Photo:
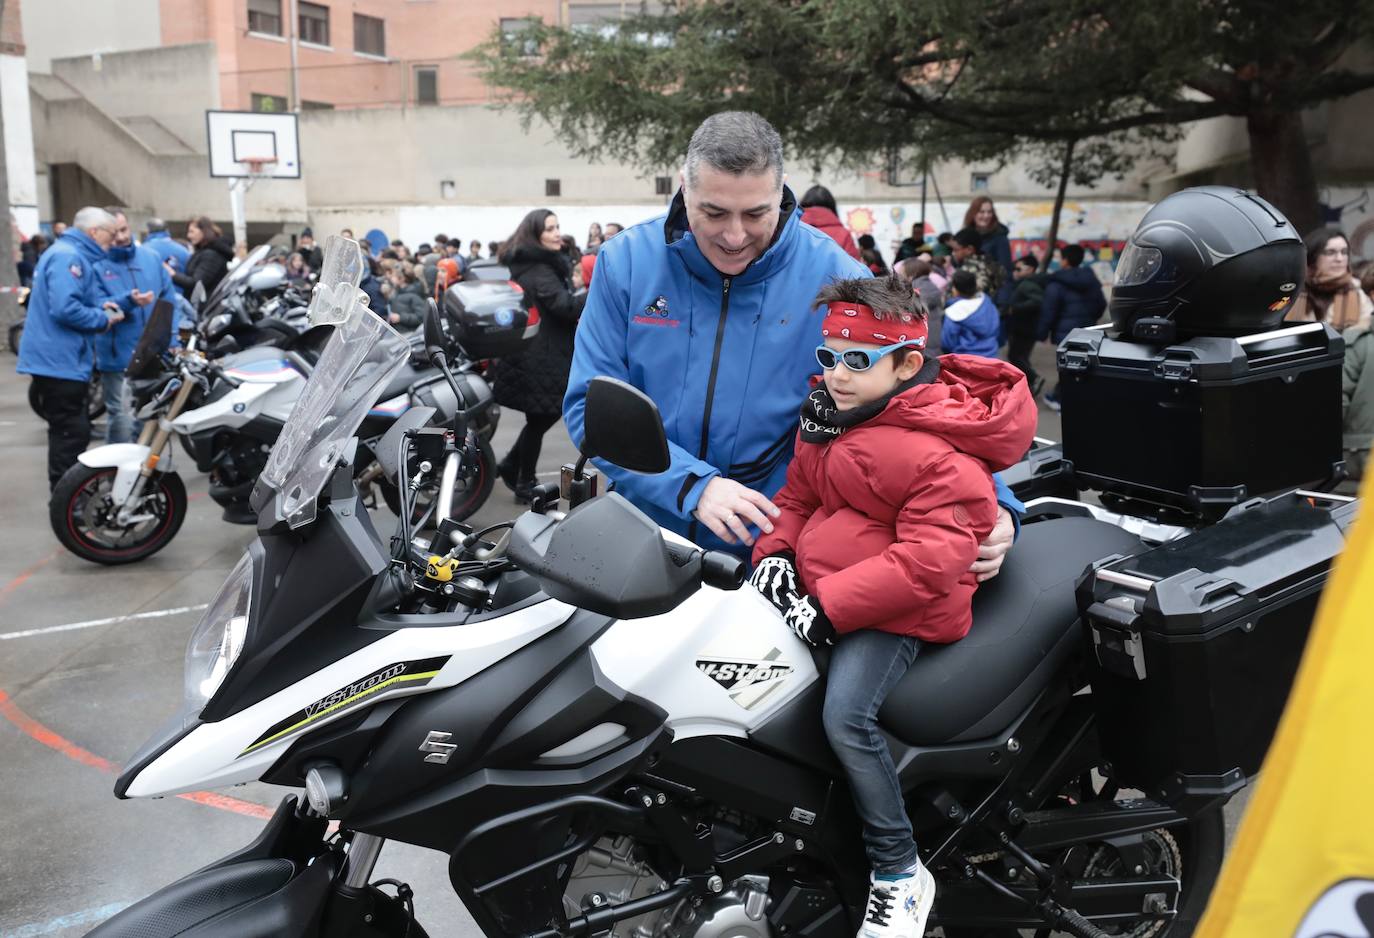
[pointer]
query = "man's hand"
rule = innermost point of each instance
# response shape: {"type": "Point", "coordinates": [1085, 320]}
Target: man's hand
{"type": "Point", "coordinates": [393, 318]}
{"type": "Point", "coordinates": [171, 268]}
{"type": "Point", "coordinates": [113, 314]}
{"type": "Point", "coordinates": [728, 508]}
{"type": "Point", "coordinates": [993, 551]}
{"type": "Point", "coordinates": [142, 297]}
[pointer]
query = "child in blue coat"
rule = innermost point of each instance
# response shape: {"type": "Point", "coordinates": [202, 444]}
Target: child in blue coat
{"type": "Point", "coordinates": [971, 323]}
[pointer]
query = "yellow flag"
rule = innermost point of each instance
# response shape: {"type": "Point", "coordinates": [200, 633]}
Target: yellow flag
{"type": "Point", "coordinates": [1303, 863]}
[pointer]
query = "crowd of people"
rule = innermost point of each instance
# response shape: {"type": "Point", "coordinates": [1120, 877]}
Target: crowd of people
{"type": "Point", "coordinates": [842, 426]}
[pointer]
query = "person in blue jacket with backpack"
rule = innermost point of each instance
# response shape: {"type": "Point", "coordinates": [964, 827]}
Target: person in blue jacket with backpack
{"type": "Point", "coordinates": [707, 309]}
{"type": "Point", "coordinates": [66, 310]}
{"type": "Point", "coordinates": [133, 277]}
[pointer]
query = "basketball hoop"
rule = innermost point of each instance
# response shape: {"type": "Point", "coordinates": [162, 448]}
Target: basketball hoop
{"type": "Point", "coordinates": [259, 167]}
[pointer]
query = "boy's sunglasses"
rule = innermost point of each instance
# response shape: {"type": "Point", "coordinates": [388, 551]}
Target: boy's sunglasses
{"type": "Point", "coordinates": [857, 359]}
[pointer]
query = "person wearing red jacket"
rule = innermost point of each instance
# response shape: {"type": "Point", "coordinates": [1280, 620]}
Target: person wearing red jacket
{"type": "Point", "coordinates": [884, 506]}
{"type": "Point", "coordinates": [819, 211]}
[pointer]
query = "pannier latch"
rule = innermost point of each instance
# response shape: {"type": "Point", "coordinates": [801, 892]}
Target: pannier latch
{"type": "Point", "coordinates": [1174, 370]}
{"type": "Point", "coordinates": [1116, 643]}
{"type": "Point", "coordinates": [1070, 360]}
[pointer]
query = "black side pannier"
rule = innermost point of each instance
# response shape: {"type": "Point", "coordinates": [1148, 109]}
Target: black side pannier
{"type": "Point", "coordinates": [1194, 644]}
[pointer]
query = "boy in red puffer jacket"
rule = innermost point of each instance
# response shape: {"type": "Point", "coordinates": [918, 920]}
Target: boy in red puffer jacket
{"type": "Point", "coordinates": [886, 501]}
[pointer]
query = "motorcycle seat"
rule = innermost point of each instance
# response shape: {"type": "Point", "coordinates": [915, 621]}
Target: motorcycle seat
{"type": "Point", "coordinates": [1025, 624]}
{"type": "Point", "coordinates": [400, 383]}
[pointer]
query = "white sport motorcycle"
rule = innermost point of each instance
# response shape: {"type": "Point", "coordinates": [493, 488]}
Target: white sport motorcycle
{"type": "Point", "coordinates": [605, 735]}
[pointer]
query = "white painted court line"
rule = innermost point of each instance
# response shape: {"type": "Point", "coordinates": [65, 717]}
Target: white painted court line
{"type": "Point", "coordinates": [112, 620]}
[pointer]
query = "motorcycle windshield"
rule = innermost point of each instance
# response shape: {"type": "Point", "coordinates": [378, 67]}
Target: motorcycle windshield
{"type": "Point", "coordinates": [238, 274]}
{"type": "Point", "coordinates": [357, 363]}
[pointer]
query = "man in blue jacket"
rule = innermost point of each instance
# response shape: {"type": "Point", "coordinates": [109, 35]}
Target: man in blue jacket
{"type": "Point", "coordinates": [168, 251]}
{"type": "Point", "coordinates": [1073, 298]}
{"type": "Point", "coordinates": [67, 308]}
{"type": "Point", "coordinates": [134, 278]}
{"type": "Point", "coordinates": [708, 310]}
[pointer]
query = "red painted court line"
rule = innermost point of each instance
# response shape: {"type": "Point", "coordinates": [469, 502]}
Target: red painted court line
{"type": "Point", "coordinates": [40, 733]}
{"type": "Point", "coordinates": [18, 581]}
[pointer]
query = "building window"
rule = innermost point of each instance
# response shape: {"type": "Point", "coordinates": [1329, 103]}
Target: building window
{"type": "Point", "coordinates": [663, 185]}
{"type": "Point", "coordinates": [314, 23]}
{"type": "Point", "coordinates": [426, 84]}
{"type": "Point", "coordinates": [269, 103]}
{"type": "Point", "coordinates": [369, 35]}
{"type": "Point", "coordinates": [264, 16]}
{"type": "Point", "coordinates": [553, 187]}
{"type": "Point", "coordinates": [316, 106]}
{"type": "Point", "coordinates": [515, 34]}
{"type": "Point", "coordinates": [980, 182]}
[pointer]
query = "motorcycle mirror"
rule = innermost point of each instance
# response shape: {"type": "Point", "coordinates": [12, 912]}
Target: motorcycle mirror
{"type": "Point", "coordinates": [198, 295]}
{"type": "Point", "coordinates": [436, 337]}
{"type": "Point", "coordinates": [623, 426]}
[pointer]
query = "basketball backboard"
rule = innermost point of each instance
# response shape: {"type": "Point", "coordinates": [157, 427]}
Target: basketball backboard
{"type": "Point", "coordinates": [237, 138]}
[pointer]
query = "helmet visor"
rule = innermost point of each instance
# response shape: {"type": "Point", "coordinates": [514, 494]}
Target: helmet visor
{"type": "Point", "coordinates": [1138, 265]}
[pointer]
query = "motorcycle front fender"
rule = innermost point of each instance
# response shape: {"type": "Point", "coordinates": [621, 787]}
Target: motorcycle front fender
{"type": "Point", "coordinates": [127, 460]}
{"type": "Point", "coordinates": [278, 885]}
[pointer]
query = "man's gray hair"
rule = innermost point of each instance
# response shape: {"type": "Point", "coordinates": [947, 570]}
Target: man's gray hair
{"type": "Point", "coordinates": [156, 224]}
{"type": "Point", "coordinates": [93, 216]}
{"type": "Point", "coordinates": [735, 142]}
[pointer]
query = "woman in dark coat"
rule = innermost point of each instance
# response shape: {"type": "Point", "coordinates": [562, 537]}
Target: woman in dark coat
{"type": "Point", "coordinates": [534, 381]}
{"type": "Point", "coordinates": [210, 257]}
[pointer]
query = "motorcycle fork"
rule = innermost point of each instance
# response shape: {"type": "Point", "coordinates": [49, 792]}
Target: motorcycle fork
{"type": "Point", "coordinates": [161, 432]}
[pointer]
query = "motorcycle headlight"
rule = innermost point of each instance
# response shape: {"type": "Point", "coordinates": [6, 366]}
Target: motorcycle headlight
{"type": "Point", "coordinates": [218, 325]}
{"type": "Point", "coordinates": [218, 639]}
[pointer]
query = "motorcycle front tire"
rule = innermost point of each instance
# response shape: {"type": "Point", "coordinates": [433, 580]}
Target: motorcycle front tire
{"type": "Point", "coordinates": [63, 505]}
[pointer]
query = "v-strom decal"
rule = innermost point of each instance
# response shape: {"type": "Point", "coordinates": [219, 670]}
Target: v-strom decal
{"type": "Point", "coordinates": [404, 675]}
{"type": "Point", "coordinates": [749, 682]}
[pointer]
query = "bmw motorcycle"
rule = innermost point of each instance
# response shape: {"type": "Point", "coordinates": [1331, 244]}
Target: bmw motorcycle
{"type": "Point", "coordinates": [604, 734]}
{"type": "Point", "coordinates": [124, 502]}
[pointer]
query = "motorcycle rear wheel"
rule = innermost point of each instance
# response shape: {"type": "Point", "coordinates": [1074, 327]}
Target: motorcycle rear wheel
{"type": "Point", "coordinates": [1196, 848]}
{"type": "Point", "coordinates": [81, 515]}
{"type": "Point", "coordinates": [95, 399]}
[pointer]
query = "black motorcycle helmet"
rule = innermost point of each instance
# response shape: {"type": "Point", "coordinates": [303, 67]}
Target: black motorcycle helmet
{"type": "Point", "coordinates": [1210, 261]}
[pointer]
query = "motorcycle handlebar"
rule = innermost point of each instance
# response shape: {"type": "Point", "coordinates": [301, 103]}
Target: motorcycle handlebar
{"type": "Point", "coordinates": [719, 569]}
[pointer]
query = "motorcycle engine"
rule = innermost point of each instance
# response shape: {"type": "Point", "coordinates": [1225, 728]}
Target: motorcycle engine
{"type": "Point", "coordinates": [614, 871]}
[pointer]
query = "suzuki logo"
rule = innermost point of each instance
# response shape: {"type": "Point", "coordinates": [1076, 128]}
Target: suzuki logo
{"type": "Point", "coordinates": [439, 750]}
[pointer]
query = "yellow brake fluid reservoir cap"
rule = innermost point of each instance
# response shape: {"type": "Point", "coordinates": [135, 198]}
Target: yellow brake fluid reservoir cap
{"type": "Point", "coordinates": [440, 569]}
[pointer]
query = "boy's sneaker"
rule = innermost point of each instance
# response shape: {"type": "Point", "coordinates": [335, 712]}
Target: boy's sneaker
{"type": "Point", "coordinates": [898, 908]}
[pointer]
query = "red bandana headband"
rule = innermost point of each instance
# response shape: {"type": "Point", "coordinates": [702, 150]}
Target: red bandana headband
{"type": "Point", "coordinates": [857, 322]}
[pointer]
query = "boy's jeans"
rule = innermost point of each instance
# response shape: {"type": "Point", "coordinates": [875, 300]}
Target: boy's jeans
{"type": "Point", "coordinates": [120, 426]}
{"type": "Point", "coordinates": [864, 668]}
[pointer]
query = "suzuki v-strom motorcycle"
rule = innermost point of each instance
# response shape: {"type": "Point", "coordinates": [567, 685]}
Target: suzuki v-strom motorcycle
{"type": "Point", "coordinates": [604, 734]}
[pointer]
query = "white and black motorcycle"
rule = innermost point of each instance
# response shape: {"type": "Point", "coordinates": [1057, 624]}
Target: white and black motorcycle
{"type": "Point", "coordinates": [123, 502]}
{"type": "Point", "coordinates": [604, 735]}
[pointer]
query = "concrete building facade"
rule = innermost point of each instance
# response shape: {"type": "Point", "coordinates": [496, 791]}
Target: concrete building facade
{"type": "Point", "coordinates": [397, 132]}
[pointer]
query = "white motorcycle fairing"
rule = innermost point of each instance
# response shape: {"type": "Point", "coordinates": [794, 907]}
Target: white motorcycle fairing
{"type": "Point", "coordinates": [720, 664]}
{"type": "Point", "coordinates": [270, 388]}
{"type": "Point", "coordinates": [128, 460]}
{"type": "Point", "coordinates": [245, 745]}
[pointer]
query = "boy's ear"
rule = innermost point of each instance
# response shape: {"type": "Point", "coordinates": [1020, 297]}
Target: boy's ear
{"type": "Point", "coordinates": [910, 364]}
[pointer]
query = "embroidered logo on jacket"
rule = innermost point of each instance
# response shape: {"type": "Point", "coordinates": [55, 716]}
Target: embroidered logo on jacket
{"type": "Point", "coordinates": [656, 314]}
{"type": "Point", "coordinates": [75, 269]}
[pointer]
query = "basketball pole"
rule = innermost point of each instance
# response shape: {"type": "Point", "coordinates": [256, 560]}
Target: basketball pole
{"type": "Point", "coordinates": [238, 188]}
